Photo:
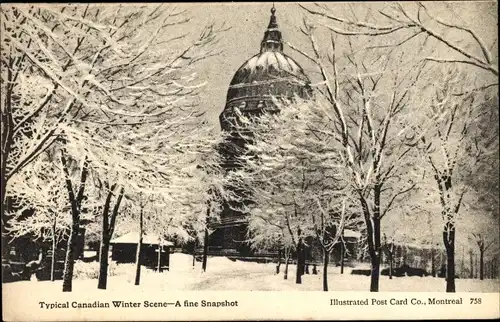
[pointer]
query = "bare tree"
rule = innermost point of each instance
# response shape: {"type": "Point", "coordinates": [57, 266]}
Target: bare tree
{"type": "Point", "coordinates": [483, 244]}
{"type": "Point", "coordinates": [366, 111]}
{"type": "Point", "coordinates": [450, 144]}
{"type": "Point", "coordinates": [413, 24]}
{"type": "Point", "coordinates": [483, 232]}
{"type": "Point", "coordinates": [329, 224]}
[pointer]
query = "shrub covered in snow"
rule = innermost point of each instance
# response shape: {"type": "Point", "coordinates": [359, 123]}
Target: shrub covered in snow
{"type": "Point", "coordinates": [90, 270]}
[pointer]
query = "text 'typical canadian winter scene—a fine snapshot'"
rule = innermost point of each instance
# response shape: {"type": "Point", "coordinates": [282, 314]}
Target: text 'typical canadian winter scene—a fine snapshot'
{"type": "Point", "coordinates": [208, 161]}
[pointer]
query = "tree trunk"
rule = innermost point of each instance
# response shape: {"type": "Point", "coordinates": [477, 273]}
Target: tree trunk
{"type": "Point", "coordinates": [326, 254]}
{"type": "Point", "coordinates": [205, 243]}
{"type": "Point", "coordinates": [287, 259]}
{"type": "Point", "coordinates": [374, 278]}
{"type": "Point", "coordinates": [449, 241]}
{"type": "Point", "coordinates": [298, 275]}
{"type": "Point", "coordinates": [476, 264]}
{"type": "Point", "coordinates": [5, 240]}
{"type": "Point", "coordinates": [450, 270]}
{"type": "Point", "coordinates": [481, 264]}
{"type": "Point", "coordinates": [342, 257]}
{"type": "Point", "coordinates": [471, 259]}
{"type": "Point", "coordinates": [75, 202]}
{"type": "Point", "coordinates": [303, 259]}
{"type": "Point", "coordinates": [103, 263]}
{"type": "Point", "coordinates": [53, 260]}
{"type": "Point", "coordinates": [433, 263]}
{"type": "Point", "coordinates": [372, 223]}
{"type": "Point", "coordinates": [279, 262]}
{"type": "Point", "coordinates": [195, 243]}
{"type": "Point", "coordinates": [390, 264]}
{"type": "Point", "coordinates": [375, 257]}
{"type": "Point", "coordinates": [7, 141]}
{"type": "Point", "coordinates": [5, 208]}
{"type": "Point", "coordinates": [462, 264]}
{"type": "Point", "coordinates": [104, 249]}
{"type": "Point", "coordinates": [69, 262]}
{"type": "Point", "coordinates": [138, 262]}
{"type": "Point", "coordinates": [139, 249]}
{"type": "Point", "coordinates": [205, 252]}
{"type": "Point", "coordinates": [159, 258]}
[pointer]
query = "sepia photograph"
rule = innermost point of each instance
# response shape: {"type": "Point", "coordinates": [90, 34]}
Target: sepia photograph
{"type": "Point", "coordinates": [257, 160]}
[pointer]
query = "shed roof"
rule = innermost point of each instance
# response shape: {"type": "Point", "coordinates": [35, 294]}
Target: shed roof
{"type": "Point", "coordinates": [133, 238]}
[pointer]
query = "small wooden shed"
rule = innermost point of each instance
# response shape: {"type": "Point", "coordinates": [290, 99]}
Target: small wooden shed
{"type": "Point", "coordinates": [154, 250]}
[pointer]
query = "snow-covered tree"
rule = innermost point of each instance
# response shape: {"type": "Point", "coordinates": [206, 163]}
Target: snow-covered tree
{"type": "Point", "coordinates": [448, 140]}
{"type": "Point", "coordinates": [139, 76]}
{"type": "Point", "coordinates": [367, 108]}
{"type": "Point", "coordinates": [42, 210]}
{"type": "Point", "coordinates": [483, 182]}
{"type": "Point", "coordinates": [398, 35]}
{"type": "Point", "coordinates": [296, 190]}
{"type": "Point", "coordinates": [156, 168]}
{"type": "Point", "coordinates": [485, 234]}
{"type": "Point", "coordinates": [275, 187]}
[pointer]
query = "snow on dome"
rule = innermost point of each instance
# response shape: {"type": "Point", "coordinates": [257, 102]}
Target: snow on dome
{"type": "Point", "coordinates": [268, 65]}
{"type": "Point", "coordinates": [266, 76]}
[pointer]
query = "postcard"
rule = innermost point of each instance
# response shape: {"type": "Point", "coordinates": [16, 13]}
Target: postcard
{"type": "Point", "coordinates": [244, 161]}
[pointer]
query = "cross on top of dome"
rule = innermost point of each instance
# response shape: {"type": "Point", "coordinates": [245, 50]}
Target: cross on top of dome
{"type": "Point", "coordinates": [272, 37]}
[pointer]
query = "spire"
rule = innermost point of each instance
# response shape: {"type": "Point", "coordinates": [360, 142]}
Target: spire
{"type": "Point", "coordinates": [272, 22]}
{"type": "Point", "coordinates": [272, 36]}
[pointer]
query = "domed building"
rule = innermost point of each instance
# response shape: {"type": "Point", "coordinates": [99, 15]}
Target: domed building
{"type": "Point", "coordinates": [268, 75]}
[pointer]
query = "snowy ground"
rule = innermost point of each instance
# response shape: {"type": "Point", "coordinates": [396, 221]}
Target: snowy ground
{"type": "Point", "coordinates": [225, 275]}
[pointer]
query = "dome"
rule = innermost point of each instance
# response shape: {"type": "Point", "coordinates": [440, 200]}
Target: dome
{"type": "Point", "coordinates": [270, 73]}
{"type": "Point", "coordinates": [266, 68]}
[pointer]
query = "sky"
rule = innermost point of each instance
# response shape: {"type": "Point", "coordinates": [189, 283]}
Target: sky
{"type": "Point", "coordinates": [248, 21]}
